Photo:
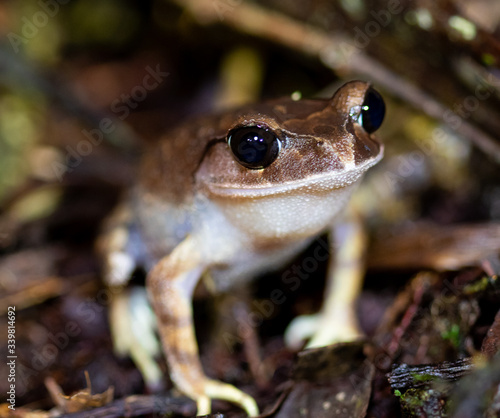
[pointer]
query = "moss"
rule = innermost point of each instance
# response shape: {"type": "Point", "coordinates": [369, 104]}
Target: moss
{"type": "Point", "coordinates": [422, 402]}
{"type": "Point", "coordinates": [478, 286]}
{"type": "Point", "coordinates": [452, 335]}
{"type": "Point", "coordinates": [423, 377]}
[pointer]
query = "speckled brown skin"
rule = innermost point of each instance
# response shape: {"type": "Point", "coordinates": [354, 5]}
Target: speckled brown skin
{"type": "Point", "coordinates": [198, 209]}
{"type": "Point", "coordinates": [318, 137]}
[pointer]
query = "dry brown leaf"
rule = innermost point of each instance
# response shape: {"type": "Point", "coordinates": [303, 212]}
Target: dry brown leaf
{"type": "Point", "coordinates": [78, 401]}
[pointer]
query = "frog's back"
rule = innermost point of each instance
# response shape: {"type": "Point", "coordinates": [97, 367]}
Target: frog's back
{"type": "Point", "coordinates": [162, 198]}
{"type": "Point", "coordinates": [168, 166]}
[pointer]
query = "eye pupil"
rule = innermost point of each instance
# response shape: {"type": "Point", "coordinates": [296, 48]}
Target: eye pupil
{"type": "Point", "coordinates": [254, 147]}
{"type": "Point", "coordinates": [372, 111]}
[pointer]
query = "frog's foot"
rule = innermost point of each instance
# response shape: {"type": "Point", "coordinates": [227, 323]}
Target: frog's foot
{"type": "Point", "coordinates": [339, 325]}
{"type": "Point", "coordinates": [133, 329]}
{"type": "Point", "coordinates": [214, 389]}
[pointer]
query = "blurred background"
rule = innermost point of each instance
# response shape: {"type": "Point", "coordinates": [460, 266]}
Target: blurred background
{"type": "Point", "coordinates": [85, 83]}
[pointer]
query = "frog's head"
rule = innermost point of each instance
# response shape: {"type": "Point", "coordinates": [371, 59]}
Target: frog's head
{"type": "Point", "coordinates": [301, 156]}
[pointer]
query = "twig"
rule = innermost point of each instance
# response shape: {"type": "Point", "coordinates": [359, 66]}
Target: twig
{"type": "Point", "coordinates": [134, 406]}
{"type": "Point", "coordinates": [251, 345]}
{"type": "Point", "coordinates": [410, 93]}
{"type": "Point", "coordinates": [404, 377]}
{"type": "Point", "coordinates": [409, 314]}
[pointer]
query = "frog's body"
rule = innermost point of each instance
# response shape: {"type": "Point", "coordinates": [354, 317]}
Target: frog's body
{"type": "Point", "coordinates": [210, 198]}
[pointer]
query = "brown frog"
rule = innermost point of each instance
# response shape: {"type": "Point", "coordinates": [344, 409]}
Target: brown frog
{"type": "Point", "coordinates": [236, 195]}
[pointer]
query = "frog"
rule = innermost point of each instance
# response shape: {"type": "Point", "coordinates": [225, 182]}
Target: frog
{"type": "Point", "coordinates": [235, 195]}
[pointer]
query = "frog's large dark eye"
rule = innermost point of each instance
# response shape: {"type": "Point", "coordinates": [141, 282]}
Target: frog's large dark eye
{"type": "Point", "coordinates": [254, 147]}
{"type": "Point", "coordinates": [372, 111]}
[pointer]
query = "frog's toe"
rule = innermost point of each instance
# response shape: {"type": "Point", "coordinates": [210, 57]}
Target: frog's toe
{"type": "Point", "coordinates": [133, 329]}
{"type": "Point", "coordinates": [300, 330]}
{"type": "Point", "coordinates": [219, 390]}
{"type": "Point", "coordinates": [203, 406]}
{"type": "Point", "coordinates": [335, 333]}
{"type": "Point", "coordinates": [322, 330]}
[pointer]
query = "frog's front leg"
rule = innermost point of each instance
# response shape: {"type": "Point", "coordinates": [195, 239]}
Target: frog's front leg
{"type": "Point", "coordinates": [171, 284]}
{"type": "Point", "coordinates": [337, 320]}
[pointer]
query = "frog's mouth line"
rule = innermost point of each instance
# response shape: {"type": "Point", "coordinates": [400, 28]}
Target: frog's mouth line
{"type": "Point", "coordinates": [316, 183]}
